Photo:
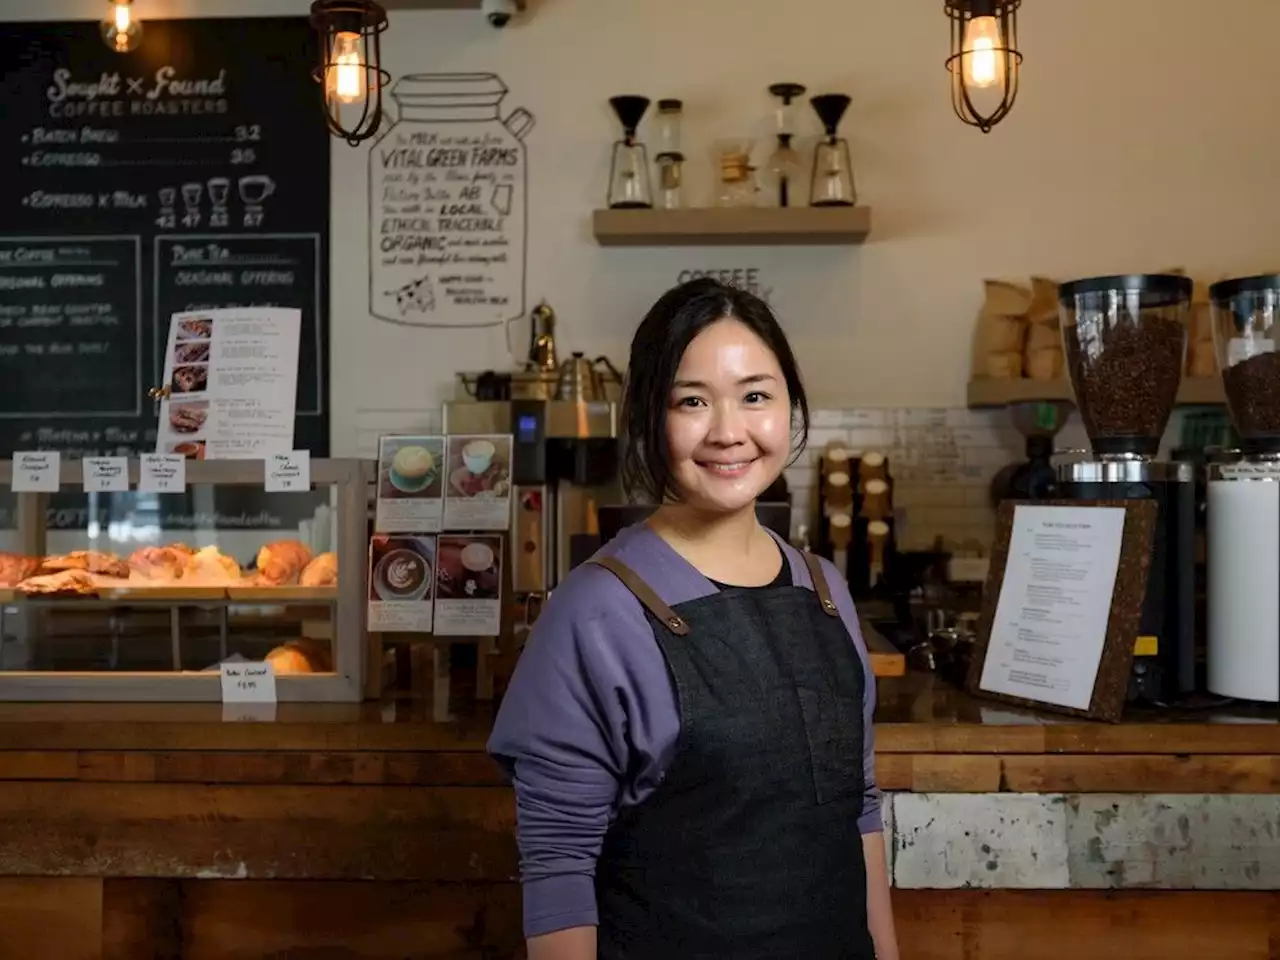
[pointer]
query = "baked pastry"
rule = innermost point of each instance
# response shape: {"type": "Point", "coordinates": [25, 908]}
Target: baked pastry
{"type": "Point", "coordinates": [282, 562]}
{"type": "Point", "coordinates": [301, 656]}
{"type": "Point", "coordinates": [321, 572]}
{"type": "Point", "coordinates": [161, 563]}
{"type": "Point", "coordinates": [92, 561]}
{"type": "Point", "coordinates": [72, 582]}
{"type": "Point", "coordinates": [14, 568]}
{"type": "Point", "coordinates": [210, 566]}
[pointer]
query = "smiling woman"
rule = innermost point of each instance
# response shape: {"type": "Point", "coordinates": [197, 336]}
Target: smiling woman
{"type": "Point", "coordinates": [739, 818]}
{"type": "Point", "coordinates": [712, 386]}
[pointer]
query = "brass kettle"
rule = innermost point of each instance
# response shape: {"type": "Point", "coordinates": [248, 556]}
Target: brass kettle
{"type": "Point", "coordinates": [582, 380]}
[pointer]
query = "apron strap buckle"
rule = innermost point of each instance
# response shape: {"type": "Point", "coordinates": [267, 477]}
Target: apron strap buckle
{"type": "Point", "coordinates": [644, 593]}
{"type": "Point", "coordinates": [820, 586]}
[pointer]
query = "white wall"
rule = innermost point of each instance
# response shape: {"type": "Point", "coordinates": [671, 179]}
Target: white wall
{"type": "Point", "coordinates": [1144, 137]}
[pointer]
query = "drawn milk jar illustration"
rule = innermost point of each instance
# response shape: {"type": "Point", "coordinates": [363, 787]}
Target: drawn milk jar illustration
{"type": "Point", "coordinates": [447, 205]}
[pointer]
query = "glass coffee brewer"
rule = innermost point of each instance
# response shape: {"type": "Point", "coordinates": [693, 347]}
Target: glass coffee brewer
{"type": "Point", "coordinates": [629, 173]}
{"type": "Point", "coordinates": [832, 184]}
{"type": "Point", "coordinates": [1125, 341]}
{"type": "Point", "coordinates": [1243, 502]}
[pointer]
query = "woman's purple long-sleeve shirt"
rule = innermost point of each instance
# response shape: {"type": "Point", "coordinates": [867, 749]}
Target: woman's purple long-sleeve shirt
{"type": "Point", "coordinates": [589, 722]}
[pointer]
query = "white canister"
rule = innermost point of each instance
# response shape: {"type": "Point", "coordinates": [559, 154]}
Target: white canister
{"type": "Point", "coordinates": [1243, 573]}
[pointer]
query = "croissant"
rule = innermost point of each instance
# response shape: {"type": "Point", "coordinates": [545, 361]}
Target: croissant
{"type": "Point", "coordinates": [92, 561]}
{"type": "Point", "coordinates": [212, 567]}
{"type": "Point", "coordinates": [321, 572]}
{"type": "Point", "coordinates": [77, 582]}
{"type": "Point", "coordinates": [282, 562]}
{"type": "Point", "coordinates": [160, 563]}
{"type": "Point", "coordinates": [15, 568]}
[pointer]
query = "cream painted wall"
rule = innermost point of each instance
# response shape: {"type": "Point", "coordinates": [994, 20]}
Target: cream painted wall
{"type": "Point", "coordinates": [1144, 136]}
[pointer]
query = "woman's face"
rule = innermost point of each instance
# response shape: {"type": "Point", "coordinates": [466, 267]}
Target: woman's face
{"type": "Point", "coordinates": [729, 419]}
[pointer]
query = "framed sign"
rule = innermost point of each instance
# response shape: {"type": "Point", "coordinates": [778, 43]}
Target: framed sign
{"type": "Point", "coordinates": [1062, 605]}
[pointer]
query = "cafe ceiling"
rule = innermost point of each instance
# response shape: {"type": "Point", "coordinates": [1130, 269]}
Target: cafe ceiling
{"type": "Point", "coordinates": [438, 4]}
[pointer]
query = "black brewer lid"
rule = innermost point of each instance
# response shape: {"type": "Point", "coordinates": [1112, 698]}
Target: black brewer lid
{"type": "Point", "coordinates": [669, 105]}
{"type": "Point", "coordinates": [1226, 289]}
{"type": "Point", "coordinates": [1163, 288]}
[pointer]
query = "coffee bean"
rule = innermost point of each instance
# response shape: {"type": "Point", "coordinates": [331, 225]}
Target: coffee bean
{"type": "Point", "coordinates": [1253, 395]}
{"type": "Point", "coordinates": [1126, 375]}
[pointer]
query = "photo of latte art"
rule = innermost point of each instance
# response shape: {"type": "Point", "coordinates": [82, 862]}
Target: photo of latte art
{"type": "Point", "coordinates": [401, 569]}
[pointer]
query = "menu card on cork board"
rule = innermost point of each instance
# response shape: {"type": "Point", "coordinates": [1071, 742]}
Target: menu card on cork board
{"type": "Point", "coordinates": [1062, 605]}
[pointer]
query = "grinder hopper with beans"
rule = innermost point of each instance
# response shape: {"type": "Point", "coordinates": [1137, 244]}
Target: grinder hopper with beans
{"type": "Point", "coordinates": [1243, 496]}
{"type": "Point", "coordinates": [1125, 342]}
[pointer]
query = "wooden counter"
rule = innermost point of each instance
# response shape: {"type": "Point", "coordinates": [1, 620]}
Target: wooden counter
{"type": "Point", "coordinates": [368, 831]}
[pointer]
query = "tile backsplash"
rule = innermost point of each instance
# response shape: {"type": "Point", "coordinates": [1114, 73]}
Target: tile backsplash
{"type": "Point", "coordinates": [942, 462]}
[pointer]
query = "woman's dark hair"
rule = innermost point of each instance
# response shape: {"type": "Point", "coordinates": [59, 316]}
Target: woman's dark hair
{"type": "Point", "coordinates": [656, 350]}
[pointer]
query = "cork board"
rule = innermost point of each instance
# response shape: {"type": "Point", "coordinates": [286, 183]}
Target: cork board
{"type": "Point", "coordinates": [1112, 681]}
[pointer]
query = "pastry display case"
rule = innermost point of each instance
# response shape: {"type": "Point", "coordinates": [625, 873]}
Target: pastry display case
{"type": "Point", "coordinates": [133, 596]}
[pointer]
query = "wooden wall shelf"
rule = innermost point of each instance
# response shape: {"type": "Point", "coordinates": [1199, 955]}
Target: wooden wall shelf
{"type": "Point", "coordinates": [733, 227]}
{"type": "Point", "coordinates": [1195, 391]}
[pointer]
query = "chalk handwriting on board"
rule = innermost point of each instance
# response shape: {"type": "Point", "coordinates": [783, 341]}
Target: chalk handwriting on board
{"type": "Point", "coordinates": [447, 205]}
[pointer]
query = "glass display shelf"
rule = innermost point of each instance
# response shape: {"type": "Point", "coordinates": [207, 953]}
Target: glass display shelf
{"type": "Point", "coordinates": [132, 596]}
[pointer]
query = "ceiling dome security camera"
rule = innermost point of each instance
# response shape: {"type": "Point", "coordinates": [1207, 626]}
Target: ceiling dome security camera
{"type": "Point", "coordinates": [498, 13]}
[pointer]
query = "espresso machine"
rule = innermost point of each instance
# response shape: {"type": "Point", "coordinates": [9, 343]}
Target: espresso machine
{"type": "Point", "coordinates": [563, 418]}
{"type": "Point", "coordinates": [1243, 503]}
{"type": "Point", "coordinates": [1125, 339]}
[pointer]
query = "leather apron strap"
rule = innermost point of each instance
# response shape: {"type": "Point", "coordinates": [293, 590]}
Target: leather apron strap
{"type": "Point", "coordinates": [820, 586]}
{"type": "Point", "coordinates": [644, 593]}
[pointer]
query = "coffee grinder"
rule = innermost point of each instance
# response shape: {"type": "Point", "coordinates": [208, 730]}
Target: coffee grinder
{"type": "Point", "coordinates": [1039, 422]}
{"type": "Point", "coordinates": [1125, 342]}
{"type": "Point", "coordinates": [1243, 541]}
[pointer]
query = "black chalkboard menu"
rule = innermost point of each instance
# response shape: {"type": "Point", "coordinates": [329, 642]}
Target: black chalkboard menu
{"type": "Point", "coordinates": [192, 173]}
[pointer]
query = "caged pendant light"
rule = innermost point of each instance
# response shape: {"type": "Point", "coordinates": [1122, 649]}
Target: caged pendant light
{"type": "Point", "coordinates": [984, 61]}
{"type": "Point", "coordinates": [350, 70]}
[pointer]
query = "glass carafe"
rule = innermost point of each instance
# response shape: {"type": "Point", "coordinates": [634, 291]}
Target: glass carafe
{"type": "Point", "coordinates": [670, 156]}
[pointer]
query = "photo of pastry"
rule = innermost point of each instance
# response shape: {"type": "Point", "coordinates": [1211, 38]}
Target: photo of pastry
{"type": "Point", "coordinates": [401, 569]}
{"type": "Point", "coordinates": [480, 467]}
{"type": "Point", "coordinates": [410, 468]}
{"type": "Point", "coordinates": [195, 328]}
{"type": "Point", "coordinates": [188, 417]}
{"type": "Point", "coordinates": [468, 568]}
{"type": "Point", "coordinates": [193, 378]}
{"type": "Point", "coordinates": [193, 351]}
{"type": "Point", "coordinates": [191, 449]}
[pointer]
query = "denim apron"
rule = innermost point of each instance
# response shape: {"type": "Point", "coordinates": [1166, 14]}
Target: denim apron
{"type": "Point", "coordinates": [749, 849]}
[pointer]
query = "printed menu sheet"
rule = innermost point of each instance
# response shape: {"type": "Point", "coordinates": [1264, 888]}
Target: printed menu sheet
{"type": "Point", "coordinates": [1050, 623]}
{"type": "Point", "coordinates": [233, 382]}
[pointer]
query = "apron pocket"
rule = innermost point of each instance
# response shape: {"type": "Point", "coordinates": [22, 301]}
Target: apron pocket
{"type": "Point", "coordinates": [833, 730]}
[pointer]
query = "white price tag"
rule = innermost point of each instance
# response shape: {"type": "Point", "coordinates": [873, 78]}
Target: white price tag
{"type": "Point", "coordinates": [248, 682]}
{"type": "Point", "coordinates": [162, 473]}
{"type": "Point", "coordinates": [288, 472]}
{"type": "Point", "coordinates": [105, 474]}
{"type": "Point", "coordinates": [36, 471]}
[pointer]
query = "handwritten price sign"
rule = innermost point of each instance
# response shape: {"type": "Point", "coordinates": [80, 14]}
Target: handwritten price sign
{"type": "Point", "coordinates": [248, 683]}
